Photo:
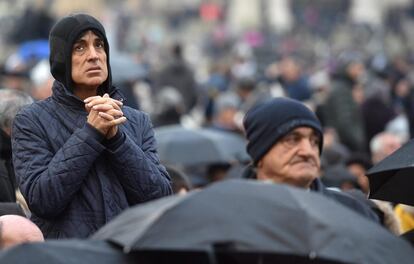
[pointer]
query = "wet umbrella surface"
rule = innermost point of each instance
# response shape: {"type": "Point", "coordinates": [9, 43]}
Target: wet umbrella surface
{"type": "Point", "coordinates": [392, 179]}
{"type": "Point", "coordinates": [241, 216]}
{"type": "Point", "coordinates": [179, 145]}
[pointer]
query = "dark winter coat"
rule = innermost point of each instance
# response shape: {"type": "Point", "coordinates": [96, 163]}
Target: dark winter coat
{"type": "Point", "coordinates": [345, 115]}
{"type": "Point", "coordinates": [73, 179]}
{"type": "Point", "coordinates": [179, 76]}
{"type": "Point", "coordinates": [363, 208]}
{"type": "Point", "coordinates": [7, 179]}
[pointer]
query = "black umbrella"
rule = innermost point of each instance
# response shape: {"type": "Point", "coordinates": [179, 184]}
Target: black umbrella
{"type": "Point", "coordinates": [184, 146]}
{"type": "Point", "coordinates": [124, 68]}
{"type": "Point", "coordinates": [248, 216]}
{"type": "Point", "coordinates": [392, 179]}
{"type": "Point", "coordinates": [73, 251]}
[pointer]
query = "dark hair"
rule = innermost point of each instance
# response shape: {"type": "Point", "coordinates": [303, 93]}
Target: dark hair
{"type": "Point", "coordinates": [246, 84]}
{"type": "Point", "coordinates": [359, 158]}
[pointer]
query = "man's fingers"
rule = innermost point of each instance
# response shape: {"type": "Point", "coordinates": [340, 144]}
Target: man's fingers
{"type": "Point", "coordinates": [106, 116]}
{"type": "Point", "coordinates": [113, 104]}
{"type": "Point", "coordinates": [112, 121]}
{"type": "Point", "coordinates": [111, 115]}
{"type": "Point", "coordinates": [115, 113]}
{"type": "Point", "coordinates": [99, 100]}
{"type": "Point", "coordinates": [109, 109]}
{"type": "Point", "coordinates": [89, 99]}
{"type": "Point", "coordinates": [116, 104]}
{"type": "Point", "coordinates": [119, 121]}
{"type": "Point", "coordinates": [102, 107]}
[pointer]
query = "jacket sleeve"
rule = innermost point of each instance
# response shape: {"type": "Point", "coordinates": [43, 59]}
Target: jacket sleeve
{"type": "Point", "coordinates": [138, 167]}
{"type": "Point", "coordinates": [50, 180]}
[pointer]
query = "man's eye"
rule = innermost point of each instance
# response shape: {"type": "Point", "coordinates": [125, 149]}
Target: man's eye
{"type": "Point", "coordinates": [315, 141]}
{"type": "Point", "coordinates": [78, 48]}
{"type": "Point", "coordinates": [100, 45]}
{"type": "Point", "coordinates": [291, 140]}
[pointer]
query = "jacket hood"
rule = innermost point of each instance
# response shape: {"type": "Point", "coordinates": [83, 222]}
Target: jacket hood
{"type": "Point", "coordinates": [61, 39]}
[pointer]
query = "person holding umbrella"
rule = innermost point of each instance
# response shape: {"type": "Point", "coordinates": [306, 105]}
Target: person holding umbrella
{"type": "Point", "coordinates": [80, 156]}
{"type": "Point", "coordinates": [285, 141]}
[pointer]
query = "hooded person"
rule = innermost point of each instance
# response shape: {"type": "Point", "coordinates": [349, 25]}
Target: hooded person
{"type": "Point", "coordinates": [285, 142]}
{"type": "Point", "coordinates": [80, 156]}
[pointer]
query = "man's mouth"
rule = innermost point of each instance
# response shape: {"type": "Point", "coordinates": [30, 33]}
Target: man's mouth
{"type": "Point", "coordinates": [94, 69]}
{"type": "Point", "coordinates": [305, 163]}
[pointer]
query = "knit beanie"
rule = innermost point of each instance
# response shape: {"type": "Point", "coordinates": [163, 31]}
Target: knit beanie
{"type": "Point", "coordinates": [265, 123]}
{"type": "Point", "coordinates": [61, 39]}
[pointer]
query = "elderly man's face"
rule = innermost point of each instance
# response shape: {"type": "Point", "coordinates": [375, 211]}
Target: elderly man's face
{"type": "Point", "coordinates": [294, 159]}
{"type": "Point", "coordinates": [89, 68]}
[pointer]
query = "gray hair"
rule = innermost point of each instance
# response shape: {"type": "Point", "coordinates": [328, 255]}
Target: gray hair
{"type": "Point", "coordinates": [11, 102]}
{"type": "Point", "coordinates": [377, 142]}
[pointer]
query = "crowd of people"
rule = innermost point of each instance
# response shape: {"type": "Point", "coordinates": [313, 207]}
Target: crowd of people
{"type": "Point", "coordinates": [78, 144]}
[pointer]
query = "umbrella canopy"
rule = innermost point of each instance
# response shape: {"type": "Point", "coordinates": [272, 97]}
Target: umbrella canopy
{"type": "Point", "coordinates": [248, 216]}
{"type": "Point", "coordinates": [184, 146]}
{"type": "Point", "coordinates": [392, 179]}
{"type": "Point", "coordinates": [67, 252]}
{"type": "Point", "coordinates": [124, 69]}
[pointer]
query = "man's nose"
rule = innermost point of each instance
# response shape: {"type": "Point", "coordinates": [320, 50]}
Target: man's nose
{"type": "Point", "coordinates": [93, 54]}
{"type": "Point", "coordinates": [306, 147]}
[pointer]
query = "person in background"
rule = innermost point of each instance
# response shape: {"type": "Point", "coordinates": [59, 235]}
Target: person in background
{"type": "Point", "coordinates": [11, 102]}
{"type": "Point", "coordinates": [285, 141]}
{"type": "Point", "coordinates": [226, 108]}
{"type": "Point", "coordinates": [42, 80]}
{"type": "Point", "coordinates": [179, 75]}
{"type": "Point", "coordinates": [342, 109]}
{"type": "Point", "coordinates": [381, 146]}
{"type": "Point", "coordinates": [169, 107]}
{"type": "Point", "coordinates": [80, 156]}
{"type": "Point", "coordinates": [294, 82]}
{"type": "Point", "coordinates": [384, 144]}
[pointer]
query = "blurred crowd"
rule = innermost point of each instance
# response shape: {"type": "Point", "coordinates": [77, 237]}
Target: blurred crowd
{"type": "Point", "coordinates": [186, 65]}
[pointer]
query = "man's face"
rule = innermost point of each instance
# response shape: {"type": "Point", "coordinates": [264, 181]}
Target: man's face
{"type": "Point", "coordinates": [294, 159]}
{"type": "Point", "coordinates": [89, 68]}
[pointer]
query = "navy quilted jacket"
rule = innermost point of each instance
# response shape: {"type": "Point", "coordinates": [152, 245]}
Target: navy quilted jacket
{"type": "Point", "coordinates": [73, 179]}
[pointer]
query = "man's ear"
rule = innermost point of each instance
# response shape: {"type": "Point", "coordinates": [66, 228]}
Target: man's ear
{"type": "Point", "coordinates": [259, 164]}
{"type": "Point", "coordinates": [259, 173]}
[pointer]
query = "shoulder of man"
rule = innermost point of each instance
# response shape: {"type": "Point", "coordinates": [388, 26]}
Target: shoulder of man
{"type": "Point", "coordinates": [361, 207]}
